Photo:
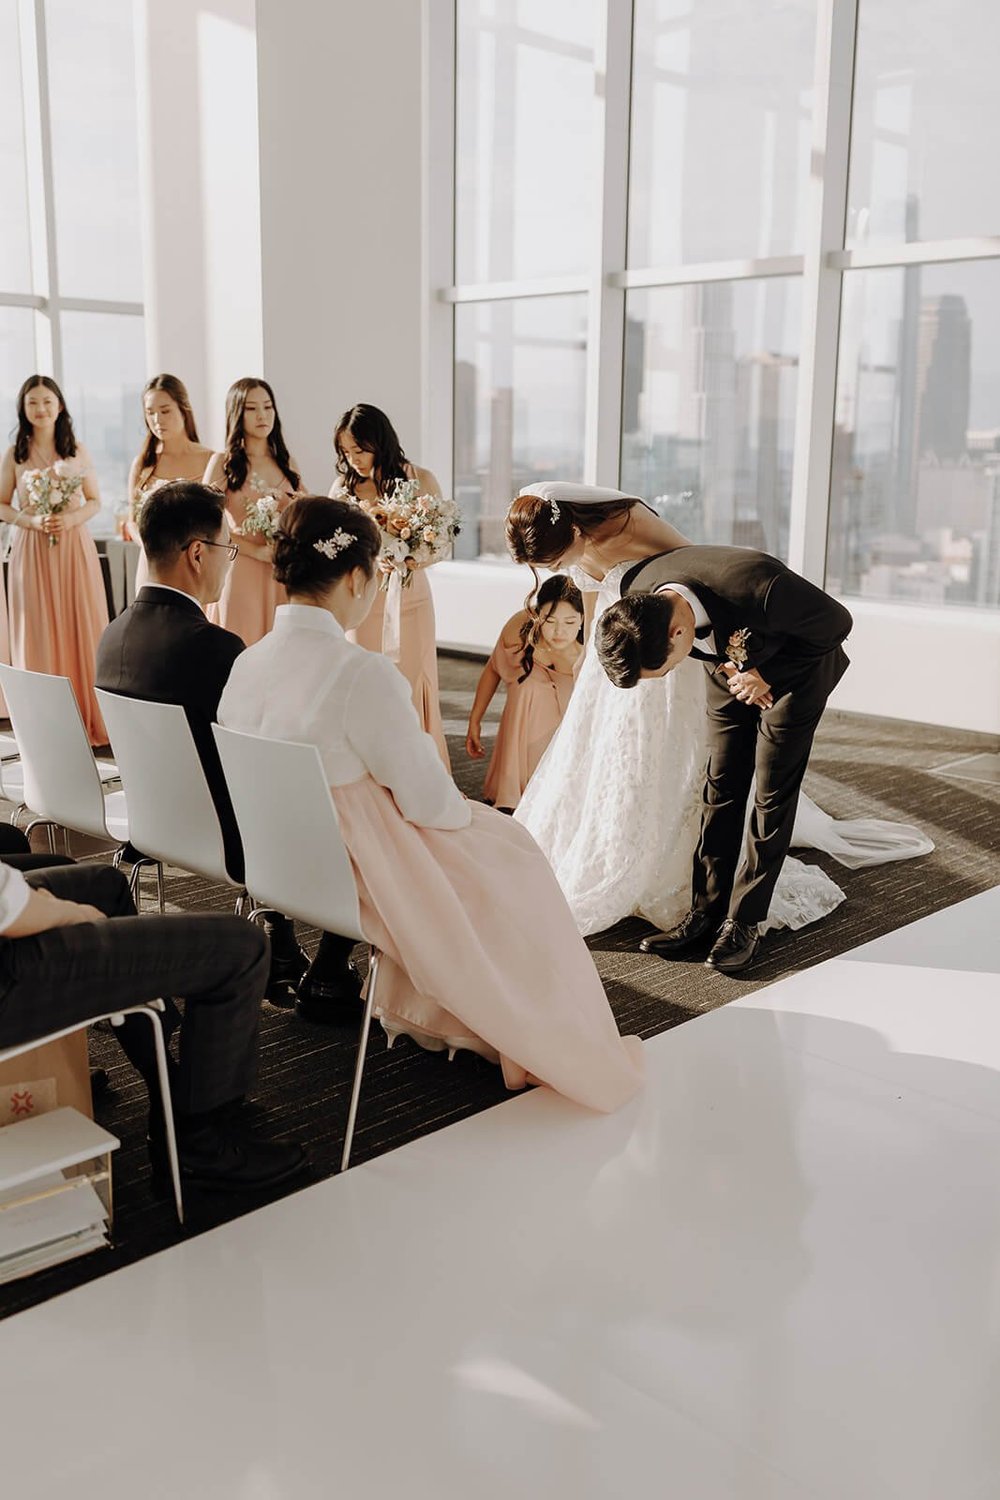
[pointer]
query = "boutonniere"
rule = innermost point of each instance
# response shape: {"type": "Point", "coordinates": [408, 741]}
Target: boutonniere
{"type": "Point", "coordinates": [736, 647]}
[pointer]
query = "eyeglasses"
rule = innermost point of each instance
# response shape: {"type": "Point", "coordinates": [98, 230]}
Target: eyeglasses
{"type": "Point", "coordinates": [231, 547]}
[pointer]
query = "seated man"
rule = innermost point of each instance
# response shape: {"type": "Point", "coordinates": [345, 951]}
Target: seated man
{"type": "Point", "coordinates": [61, 961]}
{"type": "Point", "coordinates": [163, 648]}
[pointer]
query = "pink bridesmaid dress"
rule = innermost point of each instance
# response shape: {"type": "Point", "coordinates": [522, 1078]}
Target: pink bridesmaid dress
{"type": "Point", "coordinates": [58, 608]}
{"type": "Point", "coordinates": [417, 652]}
{"type": "Point", "coordinates": [479, 947]}
{"type": "Point", "coordinates": [531, 715]}
{"type": "Point", "coordinates": [250, 595]}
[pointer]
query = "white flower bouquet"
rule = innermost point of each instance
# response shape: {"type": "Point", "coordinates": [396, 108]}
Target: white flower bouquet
{"type": "Point", "coordinates": [415, 528]}
{"type": "Point", "coordinates": [51, 491]}
{"type": "Point", "coordinates": [262, 517]}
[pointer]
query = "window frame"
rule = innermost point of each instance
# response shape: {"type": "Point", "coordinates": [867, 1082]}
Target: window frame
{"type": "Point", "coordinates": [825, 259]}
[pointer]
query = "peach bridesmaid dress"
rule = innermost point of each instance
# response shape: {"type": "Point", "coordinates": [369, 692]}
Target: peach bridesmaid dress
{"type": "Point", "coordinates": [250, 595]}
{"type": "Point", "coordinates": [417, 652]}
{"type": "Point", "coordinates": [58, 607]}
{"type": "Point", "coordinates": [532, 713]}
{"type": "Point", "coordinates": [479, 948]}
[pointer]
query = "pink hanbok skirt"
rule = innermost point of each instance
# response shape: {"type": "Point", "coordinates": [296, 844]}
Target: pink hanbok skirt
{"type": "Point", "coordinates": [478, 941]}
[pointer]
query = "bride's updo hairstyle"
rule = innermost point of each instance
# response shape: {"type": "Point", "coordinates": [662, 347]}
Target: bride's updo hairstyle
{"type": "Point", "coordinates": [319, 541]}
{"type": "Point", "coordinates": [540, 533]}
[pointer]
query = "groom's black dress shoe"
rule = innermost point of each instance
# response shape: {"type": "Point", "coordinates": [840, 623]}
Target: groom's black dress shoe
{"type": "Point", "coordinates": [695, 928]}
{"type": "Point", "coordinates": [283, 980]}
{"type": "Point", "coordinates": [734, 948]}
{"type": "Point", "coordinates": [331, 998]}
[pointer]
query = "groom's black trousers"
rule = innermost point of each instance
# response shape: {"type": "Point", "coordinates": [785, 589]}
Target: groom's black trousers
{"type": "Point", "coordinates": [772, 745]}
{"type": "Point", "coordinates": [219, 965]}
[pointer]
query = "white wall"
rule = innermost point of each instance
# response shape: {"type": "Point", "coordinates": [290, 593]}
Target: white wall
{"type": "Point", "coordinates": [340, 149]}
{"type": "Point", "coordinates": [197, 83]}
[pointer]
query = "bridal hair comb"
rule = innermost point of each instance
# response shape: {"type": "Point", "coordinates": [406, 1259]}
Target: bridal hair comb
{"type": "Point", "coordinates": [554, 512]}
{"type": "Point", "coordinates": [330, 546]}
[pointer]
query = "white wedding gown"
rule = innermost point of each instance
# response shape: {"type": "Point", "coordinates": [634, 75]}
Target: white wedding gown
{"type": "Point", "coordinates": [616, 800]}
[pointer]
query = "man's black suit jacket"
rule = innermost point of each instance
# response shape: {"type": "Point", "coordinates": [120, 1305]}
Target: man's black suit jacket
{"type": "Point", "coordinates": [787, 619]}
{"type": "Point", "coordinates": [163, 649]}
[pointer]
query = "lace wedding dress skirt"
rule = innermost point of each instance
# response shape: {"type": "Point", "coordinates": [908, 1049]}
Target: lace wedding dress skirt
{"type": "Point", "coordinates": [615, 803]}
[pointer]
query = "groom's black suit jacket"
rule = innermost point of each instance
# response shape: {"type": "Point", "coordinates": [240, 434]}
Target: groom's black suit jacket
{"type": "Point", "coordinates": [790, 621]}
{"type": "Point", "coordinates": [163, 649]}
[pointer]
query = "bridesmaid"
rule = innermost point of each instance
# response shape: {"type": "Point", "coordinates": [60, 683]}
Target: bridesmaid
{"type": "Point", "coordinates": [171, 451]}
{"type": "Point", "coordinates": [369, 462]}
{"type": "Point", "coordinates": [58, 607]}
{"type": "Point", "coordinates": [537, 656]}
{"type": "Point", "coordinates": [255, 463]}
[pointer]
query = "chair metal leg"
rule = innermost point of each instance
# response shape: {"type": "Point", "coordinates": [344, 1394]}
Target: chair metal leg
{"type": "Point", "coordinates": [241, 901]}
{"type": "Point", "coordinates": [359, 1066]}
{"type": "Point", "coordinates": [22, 807]}
{"type": "Point", "coordinates": [151, 1012]}
{"type": "Point", "coordinates": [159, 887]}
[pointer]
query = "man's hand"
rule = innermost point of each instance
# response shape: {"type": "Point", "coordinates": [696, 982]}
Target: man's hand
{"type": "Point", "coordinates": [45, 911]}
{"type": "Point", "coordinates": [749, 687]}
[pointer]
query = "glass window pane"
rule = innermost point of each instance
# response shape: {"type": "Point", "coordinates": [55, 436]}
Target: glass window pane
{"type": "Point", "coordinates": [15, 244]}
{"type": "Point", "coordinates": [709, 409]}
{"type": "Point", "coordinates": [104, 361]}
{"type": "Point", "coordinates": [926, 122]}
{"type": "Point", "coordinates": [520, 371]}
{"type": "Point", "coordinates": [721, 101]}
{"type": "Point", "coordinates": [17, 358]}
{"type": "Point", "coordinates": [95, 163]}
{"type": "Point", "coordinates": [525, 159]}
{"type": "Point", "coordinates": [915, 484]}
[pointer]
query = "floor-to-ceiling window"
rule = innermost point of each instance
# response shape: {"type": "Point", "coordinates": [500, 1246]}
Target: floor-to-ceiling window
{"type": "Point", "coordinates": [653, 239]}
{"type": "Point", "coordinates": [71, 283]}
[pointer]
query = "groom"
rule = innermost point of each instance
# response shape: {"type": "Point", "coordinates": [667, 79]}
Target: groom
{"type": "Point", "coordinates": [772, 646]}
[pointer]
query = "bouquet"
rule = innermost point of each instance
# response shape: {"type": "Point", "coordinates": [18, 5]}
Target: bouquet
{"type": "Point", "coordinates": [415, 528]}
{"type": "Point", "coordinates": [50, 491]}
{"type": "Point", "coordinates": [262, 517]}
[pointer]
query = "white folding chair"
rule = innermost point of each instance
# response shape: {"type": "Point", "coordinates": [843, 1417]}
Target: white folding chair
{"type": "Point", "coordinates": [295, 856]}
{"type": "Point", "coordinates": [62, 784]}
{"type": "Point", "coordinates": [152, 1013]}
{"type": "Point", "coordinates": [172, 817]}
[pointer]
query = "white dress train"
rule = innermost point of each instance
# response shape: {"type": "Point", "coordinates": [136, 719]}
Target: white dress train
{"type": "Point", "coordinates": [615, 803]}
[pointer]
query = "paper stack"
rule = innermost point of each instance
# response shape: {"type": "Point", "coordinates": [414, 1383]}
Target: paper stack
{"type": "Point", "coordinates": [52, 1229]}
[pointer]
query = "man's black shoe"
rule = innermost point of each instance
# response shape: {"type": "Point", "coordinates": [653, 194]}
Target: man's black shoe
{"type": "Point", "coordinates": [331, 997]}
{"type": "Point", "coordinates": [283, 979]}
{"type": "Point", "coordinates": [734, 948]}
{"type": "Point", "coordinates": [696, 927]}
{"type": "Point", "coordinates": [221, 1159]}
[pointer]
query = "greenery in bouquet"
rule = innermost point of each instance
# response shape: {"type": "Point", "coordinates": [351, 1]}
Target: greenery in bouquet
{"type": "Point", "coordinates": [416, 529]}
{"type": "Point", "coordinates": [50, 491]}
{"type": "Point", "coordinates": [262, 517]}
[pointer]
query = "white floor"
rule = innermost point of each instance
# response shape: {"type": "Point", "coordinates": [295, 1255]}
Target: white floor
{"type": "Point", "coordinates": [776, 1276]}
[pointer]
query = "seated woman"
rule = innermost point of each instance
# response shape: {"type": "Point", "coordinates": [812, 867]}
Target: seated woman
{"type": "Point", "coordinates": [480, 948]}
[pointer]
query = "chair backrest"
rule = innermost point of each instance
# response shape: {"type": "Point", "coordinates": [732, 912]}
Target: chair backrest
{"type": "Point", "coordinates": [60, 774]}
{"type": "Point", "coordinates": [172, 817]}
{"type": "Point", "coordinates": [295, 856]}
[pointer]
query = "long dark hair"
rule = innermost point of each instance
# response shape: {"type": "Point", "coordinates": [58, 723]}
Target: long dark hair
{"type": "Point", "coordinates": [236, 465]}
{"type": "Point", "coordinates": [177, 391]}
{"type": "Point", "coordinates": [372, 431]}
{"type": "Point", "coordinates": [65, 437]}
{"type": "Point", "coordinates": [559, 589]}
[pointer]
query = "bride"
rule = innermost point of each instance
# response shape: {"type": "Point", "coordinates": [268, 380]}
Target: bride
{"type": "Point", "coordinates": [616, 801]}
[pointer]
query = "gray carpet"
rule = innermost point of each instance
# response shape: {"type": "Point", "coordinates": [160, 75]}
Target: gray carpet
{"type": "Point", "coordinates": [860, 767]}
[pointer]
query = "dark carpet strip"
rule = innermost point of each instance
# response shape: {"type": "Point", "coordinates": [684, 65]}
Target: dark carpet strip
{"type": "Point", "coordinates": [860, 767]}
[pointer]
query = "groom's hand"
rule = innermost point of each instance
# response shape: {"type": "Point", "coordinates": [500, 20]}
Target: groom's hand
{"type": "Point", "coordinates": [749, 687]}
